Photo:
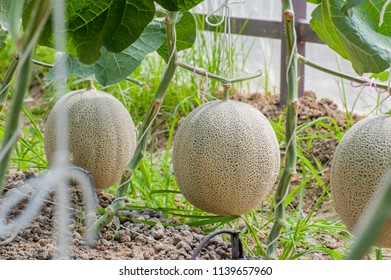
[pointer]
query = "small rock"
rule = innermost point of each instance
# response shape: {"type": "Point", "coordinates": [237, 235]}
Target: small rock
{"type": "Point", "coordinates": [26, 234]}
{"type": "Point", "coordinates": [217, 239]}
{"type": "Point", "coordinates": [183, 244]}
{"type": "Point", "coordinates": [158, 231]}
{"type": "Point", "coordinates": [223, 254]}
{"type": "Point", "coordinates": [176, 239]}
{"type": "Point", "coordinates": [187, 236]}
{"type": "Point", "coordinates": [76, 235]}
{"type": "Point", "coordinates": [147, 256]}
{"type": "Point", "coordinates": [159, 248]}
{"type": "Point", "coordinates": [139, 256]}
{"type": "Point", "coordinates": [184, 228]}
{"type": "Point", "coordinates": [43, 242]}
{"type": "Point", "coordinates": [43, 255]}
{"type": "Point", "coordinates": [123, 236]}
{"type": "Point", "coordinates": [139, 238]}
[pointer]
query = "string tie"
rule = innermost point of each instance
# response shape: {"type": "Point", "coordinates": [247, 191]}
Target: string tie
{"type": "Point", "coordinates": [369, 83]}
{"type": "Point", "coordinates": [224, 7]}
{"type": "Point", "coordinates": [201, 94]}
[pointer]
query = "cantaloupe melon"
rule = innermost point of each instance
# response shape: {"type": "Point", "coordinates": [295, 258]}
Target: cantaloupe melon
{"type": "Point", "coordinates": [225, 157]}
{"type": "Point", "coordinates": [102, 135]}
{"type": "Point", "coordinates": [358, 168]}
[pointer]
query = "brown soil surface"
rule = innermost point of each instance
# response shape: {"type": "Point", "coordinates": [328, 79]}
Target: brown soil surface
{"type": "Point", "coordinates": [125, 239]}
{"type": "Point", "coordinates": [121, 239]}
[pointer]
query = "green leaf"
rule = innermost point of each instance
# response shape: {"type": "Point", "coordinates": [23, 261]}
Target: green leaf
{"type": "Point", "coordinates": [369, 12]}
{"type": "Point", "coordinates": [382, 76]}
{"type": "Point", "coordinates": [75, 69]}
{"type": "Point", "coordinates": [178, 5]}
{"type": "Point", "coordinates": [114, 24]}
{"type": "Point", "coordinates": [185, 34]}
{"type": "Point", "coordinates": [314, 1]}
{"type": "Point", "coordinates": [350, 4]}
{"type": "Point", "coordinates": [357, 38]}
{"type": "Point", "coordinates": [114, 67]}
{"type": "Point", "coordinates": [111, 67]}
{"type": "Point", "coordinates": [322, 25]}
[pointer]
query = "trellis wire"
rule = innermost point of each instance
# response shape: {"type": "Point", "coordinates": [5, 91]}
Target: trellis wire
{"type": "Point", "coordinates": [201, 94]}
{"type": "Point", "coordinates": [227, 41]}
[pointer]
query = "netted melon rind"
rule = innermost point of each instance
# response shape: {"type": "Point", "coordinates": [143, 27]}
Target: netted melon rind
{"type": "Point", "coordinates": [225, 157]}
{"type": "Point", "coordinates": [102, 135]}
{"type": "Point", "coordinates": [358, 169]}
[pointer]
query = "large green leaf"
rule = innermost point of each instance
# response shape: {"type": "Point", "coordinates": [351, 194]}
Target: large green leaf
{"type": "Point", "coordinates": [178, 5]}
{"type": "Point", "coordinates": [370, 13]}
{"type": "Point", "coordinates": [358, 37]}
{"type": "Point", "coordinates": [185, 34]}
{"type": "Point", "coordinates": [322, 25]}
{"type": "Point", "coordinates": [91, 24]}
{"type": "Point", "coordinates": [111, 67]}
{"type": "Point", "coordinates": [74, 69]}
{"type": "Point", "coordinates": [114, 67]}
{"type": "Point", "coordinates": [351, 3]}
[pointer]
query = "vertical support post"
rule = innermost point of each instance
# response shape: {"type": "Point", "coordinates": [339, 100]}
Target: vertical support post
{"type": "Point", "coordinates": [300, 8]}
{"type": "Point", "coordinates": [283, 70]}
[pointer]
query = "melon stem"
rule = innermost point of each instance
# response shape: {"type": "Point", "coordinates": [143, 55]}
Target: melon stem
{"type": "Point", "coordinates": [226, 87]}
{"type": "Point", "coordinates": [291, 125]}
{"type": "Point", "coordinates": [90, 85]}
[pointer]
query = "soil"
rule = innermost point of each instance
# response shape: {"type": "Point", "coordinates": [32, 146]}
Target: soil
{"type": "Point", "coordinates": [125, 239]}
{"type": "Point", "coordinates": [121, 239]}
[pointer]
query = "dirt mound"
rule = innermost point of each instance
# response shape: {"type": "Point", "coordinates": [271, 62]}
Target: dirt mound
{"type": "Point", "coordinates": [310, 108]}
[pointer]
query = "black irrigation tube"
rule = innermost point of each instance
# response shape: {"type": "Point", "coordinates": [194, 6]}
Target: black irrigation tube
{"type": "Point", "coordinates": [236, 244]}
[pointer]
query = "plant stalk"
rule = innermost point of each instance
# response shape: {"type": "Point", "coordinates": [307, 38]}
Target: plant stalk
{"type": "Point", "coordinates": [221, 79]}
{"type": "Point", "coordinates": [291, 125]}
{"type": "Point", "coordinates": [13, 118]}
{"type": "Point", "coordinates": [358, 80]}
{"type": "Point", "coordinates": [137, 82]}
{"type": "Point", "coordinates": [168, 75]}
{"type": "Point", "coordinates": [9, 75]}
{"type": "Point", "coordinates": [40, 14]}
